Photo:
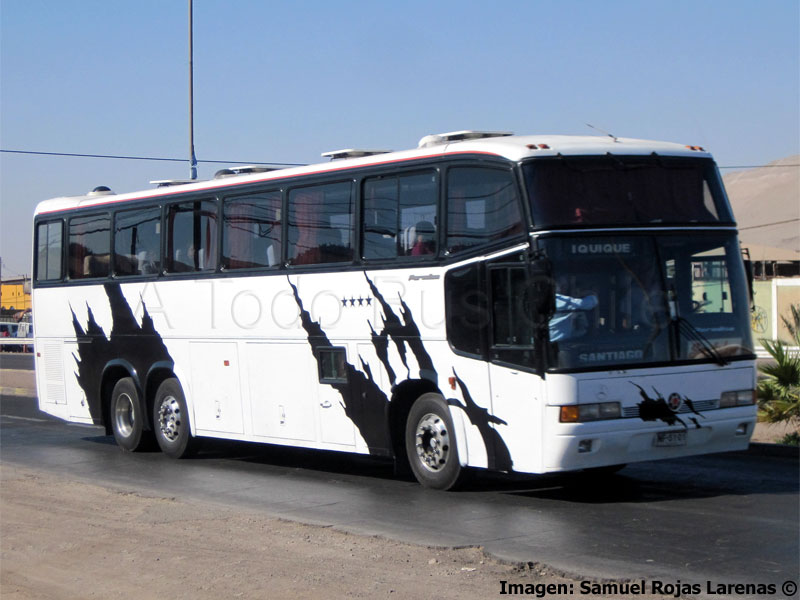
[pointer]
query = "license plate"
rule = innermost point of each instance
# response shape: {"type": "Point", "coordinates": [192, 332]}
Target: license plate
{"type": "Point", "coordinates": [670, 438]}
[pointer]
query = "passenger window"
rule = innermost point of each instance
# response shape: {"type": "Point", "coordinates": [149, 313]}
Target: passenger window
{"type": "Point", "coordinates": [49, 242]}
{"type": "Point", "coordinates": [321, 224]}
{"type": "Point", "coordinates": [89, 246]}
{"type": "Point", "coordinates": [482, 207]}
{"type": "Point", "coordinates": [252, 231]}
{"type": "Point", "coordinates": [137, 242]}
{"type": "Point", "coordinates": [400, 216]}
{"type": "Point", "coordinates": [192, 236]}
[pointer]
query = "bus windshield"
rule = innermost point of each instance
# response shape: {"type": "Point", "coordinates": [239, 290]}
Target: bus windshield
{"type": "Point", "coordinates": [626, 300]}
{"type": "Point", "coordinates": [624, 190]}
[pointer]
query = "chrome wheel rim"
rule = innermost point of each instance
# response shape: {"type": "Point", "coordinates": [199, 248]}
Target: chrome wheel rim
{"type": "Point", "coordinates": [432, 442]}
{"type": "Point", "coordinates": [124, 415]}
{"type": "Point", "coordinates": [169, 418]}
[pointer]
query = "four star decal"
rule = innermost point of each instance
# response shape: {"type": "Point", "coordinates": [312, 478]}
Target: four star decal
{"type": "Point", "coordinates": [353, 301]}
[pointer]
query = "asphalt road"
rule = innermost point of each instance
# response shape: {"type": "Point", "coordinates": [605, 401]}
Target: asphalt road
{"type": "Point", "coordinates": [729, 518]}
{"type": "Point", "coordinates": [16, 360]}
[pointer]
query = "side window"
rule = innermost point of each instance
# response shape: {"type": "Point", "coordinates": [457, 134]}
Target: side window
{"type": "Point", "coordinates": [192, 236]}
{"type": "Point", "coordinates": [400, 216]}
{"type": "Point", "coordinates": [137, 241]}
{"type": "Point", "coordinates": [482, 207]}
{"type": "Point", "coordinates": [251, 231]}
{"type": "Point", "coordinates": [49, 242]}
{"type": "Point", "coordinates": [89, 246]}
{"type": "Point", "coordinates": [332, 365]}
{"type": "Point", "coordinates": [513, 324]}
{"type": "Point", "coordinates": [467, 309]}
{"type": "Point", "coordinates": [321, 224]}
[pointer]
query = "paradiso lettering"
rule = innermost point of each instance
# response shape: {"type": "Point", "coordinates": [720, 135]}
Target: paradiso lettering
{"type": "Point", "coordinates": [608, 248]}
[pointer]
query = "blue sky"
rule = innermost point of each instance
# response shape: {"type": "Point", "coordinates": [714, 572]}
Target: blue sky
{"type": "Point", "coordinates": [285, 81]}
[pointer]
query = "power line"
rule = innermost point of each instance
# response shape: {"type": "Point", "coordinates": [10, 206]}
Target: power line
{"type": "Point", "coordinates": [283, 164]}
{"type": "Point", "coordinates": [769, 224]}
{"type": "Point", "coordinates": [223, 162]}
{"type": "Point", "coordinates": [760, 167]}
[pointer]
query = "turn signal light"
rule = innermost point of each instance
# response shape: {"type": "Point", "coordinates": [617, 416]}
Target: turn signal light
{"type": "Point", "coordinates": [569, 414]}
{"type": "Point", "coordinates": [582, 413]}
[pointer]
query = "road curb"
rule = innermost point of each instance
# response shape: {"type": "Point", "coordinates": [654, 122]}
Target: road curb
{"type": "Point", "coordinates": [773, 450]}
{"type": "Point", "coordinates": [17, 391]}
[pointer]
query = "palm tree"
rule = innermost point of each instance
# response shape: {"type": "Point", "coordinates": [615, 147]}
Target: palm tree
{"type": "Point", "coordinates": [779, 390]}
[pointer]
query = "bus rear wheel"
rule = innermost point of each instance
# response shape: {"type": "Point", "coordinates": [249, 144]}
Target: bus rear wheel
{"type": "Point", "coordinates": [171, 421]}
{"type": "Point", "coordinates": [127, 418]}
{"type": "Point", "coordinates": [431, 443]}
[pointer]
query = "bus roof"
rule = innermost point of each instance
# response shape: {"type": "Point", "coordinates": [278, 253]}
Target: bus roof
{"type": "Point", "coordinates": [500, 144]}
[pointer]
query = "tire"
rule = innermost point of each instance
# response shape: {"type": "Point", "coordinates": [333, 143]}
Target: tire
{"type": "Point", "coordinates": [431, 443]}
{"type": "Point", "coordinates": [171, 421]}
{"type": "Point", "coordinates": [127, 418]}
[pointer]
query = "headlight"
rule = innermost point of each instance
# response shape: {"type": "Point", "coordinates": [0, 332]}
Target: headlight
{"type": "Point", "coordinates": [737, 398]}
{"type": "Point", "coordinates": [581, 413]}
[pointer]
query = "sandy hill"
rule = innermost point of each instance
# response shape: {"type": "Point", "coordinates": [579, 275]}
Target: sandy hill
{"type": "Point", "coordinates": [766, 204]}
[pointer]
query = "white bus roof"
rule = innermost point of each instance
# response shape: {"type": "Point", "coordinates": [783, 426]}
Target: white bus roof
{"type": "Point", "coordinates": [500, 144]}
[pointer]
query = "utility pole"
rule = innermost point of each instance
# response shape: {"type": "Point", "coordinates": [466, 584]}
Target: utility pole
{"type": "Point", "coordinates": [192, 157]}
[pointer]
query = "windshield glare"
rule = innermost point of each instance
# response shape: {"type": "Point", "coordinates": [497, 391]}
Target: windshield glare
{"type": "Point", "coordinates": [624, 190]}
{"type": "Point", "coordinates": [619, 300]}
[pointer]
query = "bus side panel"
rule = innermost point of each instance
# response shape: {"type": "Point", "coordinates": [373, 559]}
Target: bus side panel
{"type": "Point", "coordinates": [281, 390]}
{"type": "Point", "coordinates": [518, 402]}
{"type": "Point", "coordinates": [471, 399]}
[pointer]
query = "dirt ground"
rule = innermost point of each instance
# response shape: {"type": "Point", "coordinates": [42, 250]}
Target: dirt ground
{"type": "Point", "coordinates": [62, 539]}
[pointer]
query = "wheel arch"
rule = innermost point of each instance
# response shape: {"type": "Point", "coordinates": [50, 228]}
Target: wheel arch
{"type": "Point", "coordinates": [404, 395]}
{"type": "Point", "coordinates": [114, 371]}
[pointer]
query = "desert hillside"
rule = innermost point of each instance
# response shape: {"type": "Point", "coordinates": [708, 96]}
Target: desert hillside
{"type": "Point", "coordinates": [766, 204]}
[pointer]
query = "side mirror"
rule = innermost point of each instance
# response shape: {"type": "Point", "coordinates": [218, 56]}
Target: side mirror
{"type": "Point", "coordinates": [748, 269]}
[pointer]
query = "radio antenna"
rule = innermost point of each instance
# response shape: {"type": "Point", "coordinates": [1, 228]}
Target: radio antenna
{"type": "Point", "coordinates": [612, 136]}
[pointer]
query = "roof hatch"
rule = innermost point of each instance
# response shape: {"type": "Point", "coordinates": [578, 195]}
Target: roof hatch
{"type": "Point", "coordinates": [459, 136]}
{"type": "Point", "coordinates": [352, 153]}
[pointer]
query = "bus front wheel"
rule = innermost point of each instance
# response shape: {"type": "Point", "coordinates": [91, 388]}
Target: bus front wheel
{"type": "Point", "coordinates": [171, 421]}
{"type": "Point", "coordinates": [431, 443]}
{"type": "Point", "coordinates": [127, 417]}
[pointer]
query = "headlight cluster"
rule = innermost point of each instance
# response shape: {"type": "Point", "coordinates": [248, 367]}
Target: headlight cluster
{"type": "Point", "coordinates": [580, 413]}
{"type": "Point", "coordinates": [738, 398]}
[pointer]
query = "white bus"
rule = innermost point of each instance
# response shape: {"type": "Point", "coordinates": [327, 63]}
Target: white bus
{"type": "Point", "coordinates": [524, 304]}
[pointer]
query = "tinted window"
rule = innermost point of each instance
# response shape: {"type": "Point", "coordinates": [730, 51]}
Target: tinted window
{"type": "Point", "coordinates": [192, 236]}
{"type": "Point", "coordinates": [482, 207]}
{"type": "Point", "coordinates": [467, 312]}
{"type": "Point", "coordinates": [89, 246]}
{"type": "Point", "coordinates": [332, 365]}
{"type": "Point", "coordinates": [400, 216]}
{"type": "Point", "coordinates": [48, 251]}
{"type": "Point", "coordinates": [513, 331]}
{"type": "Point", "coordinates": [321, 224]}
{"type": "Point", "coordinates": [252, 231]}
{"type": "Point", "coordinates": [137, 241]}
{"type": "Point", "coordinates": [576, 191]}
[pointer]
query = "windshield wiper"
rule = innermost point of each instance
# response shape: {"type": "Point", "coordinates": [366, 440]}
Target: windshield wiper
{"type": "Point", "coordinates": [706, 347]}
{"type": "Point", "coordinates": [691, 332]}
